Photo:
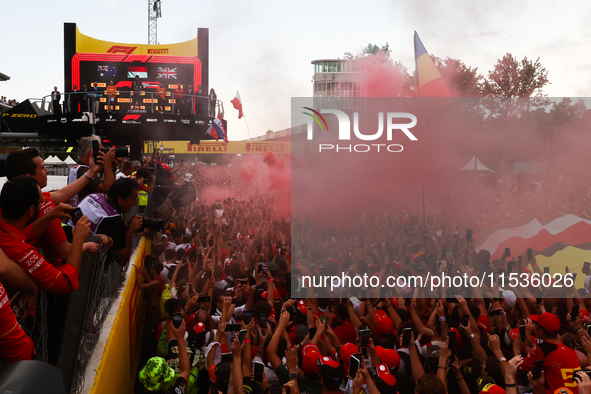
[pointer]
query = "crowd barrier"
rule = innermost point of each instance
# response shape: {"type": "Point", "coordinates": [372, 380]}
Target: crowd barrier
{"type": "Point", "coordinates": [96, 355]}
{"type": "Point", "coordinates": [100, 280]}
{"type": "Point", "coordinates": [95, 102]}
{"type": "Point", "coordinates": [115, 362]}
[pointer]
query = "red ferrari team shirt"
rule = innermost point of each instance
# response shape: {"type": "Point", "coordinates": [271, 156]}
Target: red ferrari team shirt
{"type": "Point", "coordinates": [559, 364]}
{"type": "Point", "coordinates": [14, 243]}
{"type": "Point", "coordinates": [54, 235]}
{"type": "Point", "coordinates": [15, 345]}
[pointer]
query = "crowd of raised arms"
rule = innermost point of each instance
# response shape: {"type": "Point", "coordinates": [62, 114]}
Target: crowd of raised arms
{"type": "Point", "coordinates": [227, 309]}
{"type": "Point", "coordinates": [223, 270]}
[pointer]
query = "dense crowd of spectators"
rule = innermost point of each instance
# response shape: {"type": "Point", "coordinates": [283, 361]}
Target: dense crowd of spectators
{"type": "Point", "coordinates": [229, 313]}
{"type": "Point", "coordinates": [5, 101]}
{"type": "Point", "coordinates": [227, 310]}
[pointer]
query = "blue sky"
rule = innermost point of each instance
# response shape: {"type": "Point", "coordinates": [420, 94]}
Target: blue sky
{"type": "Point", "coordinates": [264, 48]}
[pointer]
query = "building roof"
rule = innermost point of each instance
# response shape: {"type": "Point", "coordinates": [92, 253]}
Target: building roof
{"type": "Point", "coordinates": [4, 77]}
{"type": "Point", "coordinates": [328, 60]}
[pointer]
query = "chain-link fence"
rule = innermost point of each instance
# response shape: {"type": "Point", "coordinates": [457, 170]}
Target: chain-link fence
{"type": "Point", "coordinates": [108, 277]}
{"type": "Point", "coordinates": [100, 281]}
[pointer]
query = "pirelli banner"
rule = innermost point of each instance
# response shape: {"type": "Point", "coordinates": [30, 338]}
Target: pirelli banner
{"type": "Point", "coordinates": [232, 147]}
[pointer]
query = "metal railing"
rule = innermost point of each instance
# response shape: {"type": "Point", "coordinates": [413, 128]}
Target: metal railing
{"type": "Point", "coordinates": [100, 279]}
{"type": "Point", "coordinates": [181, 104]}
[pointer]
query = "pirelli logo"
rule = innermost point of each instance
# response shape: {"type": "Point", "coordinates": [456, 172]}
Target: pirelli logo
{"type": "Point", "coordinates": [162, 51]}
{"type": "Point", "coordinates": [121, 49]}
{"type": "Point", "coordinates": [262, 147]}
{"type": "Point", "coordinates": [210, 147]}
{"type": "Point", "coordinates": [19, 115]}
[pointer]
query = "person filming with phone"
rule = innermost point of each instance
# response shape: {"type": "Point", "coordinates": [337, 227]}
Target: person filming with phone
{"type": "Point", "coordinates": [105, 212]}
{"type": "Point", "coordinates": [97, 183]}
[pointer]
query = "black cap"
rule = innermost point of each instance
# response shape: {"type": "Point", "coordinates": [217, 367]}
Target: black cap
{"type": "Point", "coordinates": [222, 372]}
{"type": "Point", "coordinates": [332, 376]}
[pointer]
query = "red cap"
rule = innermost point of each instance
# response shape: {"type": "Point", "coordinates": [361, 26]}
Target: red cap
{"type": "Point", "coordinates": [515, 333]}
{"type": "Point", "coordinates": [493, 389]}
{"type": "Point", "coordinates": [302, 307]}
{"type": "Point", "coordinates": [384, 323]}
{"type": "Point", "coordinates": [534, 317]}
{"type": "Point", "coordinates": [390, 357]}
{"type": "Point", "coordinates": [199, 327]}
{"type": "Point", "coordinates": [384, 374]}
{"type": "Point", "coordinates": [264, 294]}
{"type": "Point", "coordinates": [311, 354]}
{"type": "Point", "coordinates": [563, 390]}
{"type": "Point", "coordinates": [327, 361]}
{"type": "Point", "coordinates": [549, 322]}
{"type": "Point", "coordinates": [459, 340]}
{"type": "Point", "coordinates": [483, 323]}
{"type": "Point", "coordinates": [345, 353]}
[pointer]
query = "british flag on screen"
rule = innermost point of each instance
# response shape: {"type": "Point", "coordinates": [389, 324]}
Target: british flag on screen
{"type": "Point", "coordinates": [166, 72]}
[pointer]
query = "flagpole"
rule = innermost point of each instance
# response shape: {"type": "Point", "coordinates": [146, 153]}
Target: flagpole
{"type": "Point", "coordinates": [424, 216]}
{"type": "Point", "coordinates": [245, 122]}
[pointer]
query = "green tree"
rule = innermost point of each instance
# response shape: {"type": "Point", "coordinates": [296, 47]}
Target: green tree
{"type": "Point", "coordinates": [462, 81]}
{"type": "Point", "coordinates": [384, 77]}
{"type": "Point", "coordinates": [513, 78]}
{"type": "Point", "coordinates": [518, 85]}
{"type": "Point", "coordinates": [371, 49]}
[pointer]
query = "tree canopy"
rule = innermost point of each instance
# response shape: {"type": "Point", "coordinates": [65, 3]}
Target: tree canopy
{"type": "Point", "coordinates": [513, 78]}
{"type": "Point", "coordinates": [508, 78]}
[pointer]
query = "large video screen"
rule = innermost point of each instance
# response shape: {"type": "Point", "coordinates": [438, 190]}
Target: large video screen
{"type": "Point", "coordinates": [101, 72]}
{"type": "Point", "coordinates": [95, 63]}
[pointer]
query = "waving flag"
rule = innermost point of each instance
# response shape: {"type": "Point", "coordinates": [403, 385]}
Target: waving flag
{"type": "Point", "coordinates": [568, 229]}
{"type": "Point", "coordinates": [247, 171]}
{"type": "Point", "coordinates": [237, 103]}
{"type": "Point", "coordinates": [166, 72]}
{"type": "Point", "coordinates": [429, 81]}
{"type": "Point", "coordinates": [216, 129]}
{"type": "Point", "coordinates": [564, 241]}
{"type": "Point", "coordinates": [218, 125]}
{"type": "Point", "coordinates": [213, 132]}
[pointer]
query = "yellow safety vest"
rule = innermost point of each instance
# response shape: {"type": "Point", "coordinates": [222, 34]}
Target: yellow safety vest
{"type": "Point", "coordinates": [143, 198]}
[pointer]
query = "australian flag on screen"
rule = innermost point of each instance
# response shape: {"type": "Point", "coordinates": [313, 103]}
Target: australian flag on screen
{"type": "Point", "coordinates": [166, 72]}
{"type": "Point", "coordinates": [107, 71]}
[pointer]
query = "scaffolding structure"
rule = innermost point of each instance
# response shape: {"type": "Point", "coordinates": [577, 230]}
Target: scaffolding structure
{"type": "Point", "coordinates": [154, 12]}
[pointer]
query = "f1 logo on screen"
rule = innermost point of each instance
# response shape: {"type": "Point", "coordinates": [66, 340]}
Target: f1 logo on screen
{"type": "Point", "coordinates": [131, 117]}
{"type": "Point", "coordinates": [121, 49]}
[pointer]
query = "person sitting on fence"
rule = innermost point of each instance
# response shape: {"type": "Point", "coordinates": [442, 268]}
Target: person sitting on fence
{"type": "Point", "coordinates": [20, 200]}
{"type": "Point", "coordinates": [53, 241]}
{"type": "Point", "coordinates": [105, 210]}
